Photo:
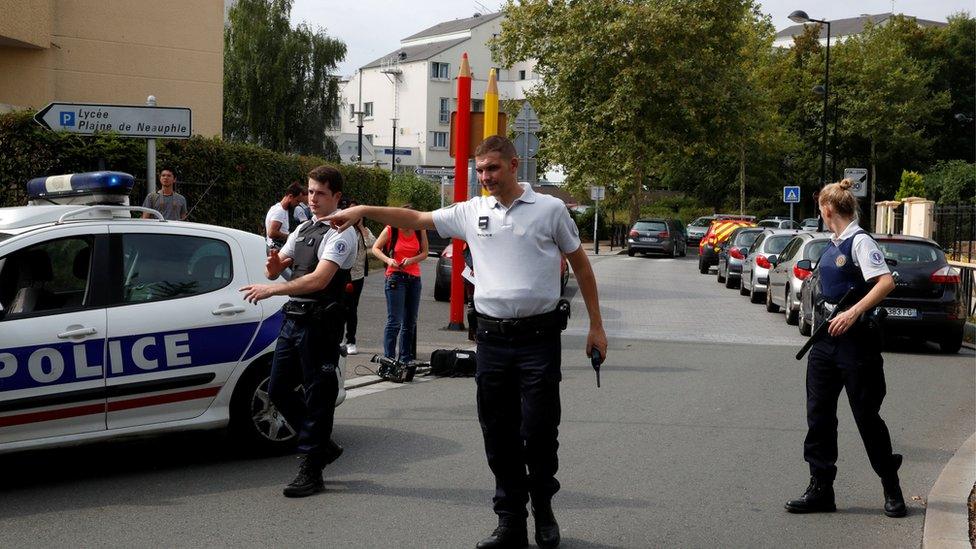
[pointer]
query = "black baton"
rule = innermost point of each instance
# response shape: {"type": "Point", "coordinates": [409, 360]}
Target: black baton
{"type": "Point", "coordinates": [596, 359]}
{"type": "Point", "coordinates": [818, 334]}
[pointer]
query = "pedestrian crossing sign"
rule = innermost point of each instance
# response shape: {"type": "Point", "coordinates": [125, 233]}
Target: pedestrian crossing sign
{"type": "Point", "coordinates": [791, 195]}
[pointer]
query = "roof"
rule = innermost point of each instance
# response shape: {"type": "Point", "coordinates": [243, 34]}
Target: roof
{"type": "Point", "coordinates": [448, 27]}
{"type": "Point", "coordinates": [410, 54]}
{"type": "Point", "coordinates": [852, 25]}
{"type": "Point", "coordinates": [558, 192]}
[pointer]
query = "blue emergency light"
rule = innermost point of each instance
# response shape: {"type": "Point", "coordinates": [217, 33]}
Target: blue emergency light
{"type": "Point", "coordinates": [80, 184]}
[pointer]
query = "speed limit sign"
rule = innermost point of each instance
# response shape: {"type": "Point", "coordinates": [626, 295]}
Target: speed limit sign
{"type": "Point", "coordinates": [859, 180]}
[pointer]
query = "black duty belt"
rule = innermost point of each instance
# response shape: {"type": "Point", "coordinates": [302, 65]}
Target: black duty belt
{"type": "Point", "coordinates": [510, 327]}
{"type": "Point", "coordinates": [308, 309]}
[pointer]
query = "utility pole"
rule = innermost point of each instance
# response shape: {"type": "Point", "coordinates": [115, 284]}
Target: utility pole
{"type": "Point", "coordinates": [151, 155]}
{"type": "Point", "coordinates": [393, 162]}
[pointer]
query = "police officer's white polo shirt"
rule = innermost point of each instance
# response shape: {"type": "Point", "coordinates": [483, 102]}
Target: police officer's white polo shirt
{"type": "Point", "coordinates": [339, 248]}
{"type": "Point", "coordinates": [865, 251]}
{"type": "Point", "coordinates": [516, 251]}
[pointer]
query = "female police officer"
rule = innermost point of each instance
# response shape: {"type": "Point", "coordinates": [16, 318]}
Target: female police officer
{"type": "Point", "coordinates": [848, 357]}
{"type": "Point", "coordinates": [516, 238]}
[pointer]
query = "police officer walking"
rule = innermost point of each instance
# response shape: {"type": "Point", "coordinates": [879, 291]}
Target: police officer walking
{"type": "Point", "coordinates": [307, 351]}
{"type": "Point", "coordinates": [516, 238]}
{"type": "Point", "coordinates": [849, 357]}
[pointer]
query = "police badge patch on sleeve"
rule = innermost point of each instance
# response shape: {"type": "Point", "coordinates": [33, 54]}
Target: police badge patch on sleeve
{"type": "Point", "coordinates": [339, 247]}
{"type": "Point", "coordinates": [877, 258]}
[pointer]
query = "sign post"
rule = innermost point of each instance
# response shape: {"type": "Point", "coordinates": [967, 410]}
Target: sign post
{"type": "Point", "coordinates": [791, 195]}
{"type": "Point", "coordinates": [596, 194]}
{"type": "Point", "coordinates": [151, 155]}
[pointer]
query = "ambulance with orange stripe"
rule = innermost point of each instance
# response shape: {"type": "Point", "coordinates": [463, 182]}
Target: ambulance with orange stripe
{"type": "Point", "coordinates": [113, 326]}
{"type": "Point", "coordinates": [718, 232]}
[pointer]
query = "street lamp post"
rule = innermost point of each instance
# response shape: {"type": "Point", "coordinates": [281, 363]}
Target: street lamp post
{"type": "Point", "coordinates": [800, 16]}
{"type": "Point", "coordinates": [359, 139]}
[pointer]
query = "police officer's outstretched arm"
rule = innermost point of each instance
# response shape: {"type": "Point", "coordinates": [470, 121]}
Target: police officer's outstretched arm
{"type": "Point", "coordinates": [312, 282]}
{"type": "Point", "coordinates": [587, 283]}
{"type": "Point", "coordinates": [883, 284]}
{"type": "Point", "coordinates": [394, 217]}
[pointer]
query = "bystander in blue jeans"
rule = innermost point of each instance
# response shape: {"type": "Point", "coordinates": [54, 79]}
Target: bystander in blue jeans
{"type": "Point", "coordinates": [402, 306]}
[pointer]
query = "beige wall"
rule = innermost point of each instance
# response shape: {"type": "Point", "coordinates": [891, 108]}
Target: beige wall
{"type": "Point", "coordinates": [115, 52]}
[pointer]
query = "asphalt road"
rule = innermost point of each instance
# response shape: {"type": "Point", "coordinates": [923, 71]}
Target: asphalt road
{"type": "Point", "coordinates": [694, 440]}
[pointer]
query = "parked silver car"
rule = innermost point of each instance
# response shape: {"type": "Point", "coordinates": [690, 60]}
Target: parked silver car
{"type": "Point", "coordinates": [733, 252]}
{"type": "Point", "coordinates": [786, 278]}
{"type": "Point", "coordinates": [778, 223]}
{"type": "Point", "coordinates": [755, 267]}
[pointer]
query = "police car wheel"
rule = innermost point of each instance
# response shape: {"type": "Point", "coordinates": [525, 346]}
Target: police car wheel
{"type": "Point", "coordinates": [254, 419]}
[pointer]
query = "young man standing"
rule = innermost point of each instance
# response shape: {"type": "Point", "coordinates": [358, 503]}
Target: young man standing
{"type": "Point", "coordinates": [516, 238]}
{"type": "Point", "coordinates": [280, 219]}
{"type": "Point", "coordinates": [166, 201]}
{"type": "Point", "coordinates": [307, 351]}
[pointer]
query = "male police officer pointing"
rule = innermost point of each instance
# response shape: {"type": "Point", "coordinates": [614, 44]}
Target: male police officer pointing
{"type": "Point", "coordinates": [516, 238]}
{"type": "Point", "coordinates": [307, 351]}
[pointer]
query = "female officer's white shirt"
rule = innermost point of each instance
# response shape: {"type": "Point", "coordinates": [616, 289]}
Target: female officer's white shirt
{"type": "Point", "coordinates": [865, 251]}
{"type": "Point", "coordinates": [516, 251]}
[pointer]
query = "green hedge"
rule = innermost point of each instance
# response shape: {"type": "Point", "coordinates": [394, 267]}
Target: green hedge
{"type": "Point", "coordinates": [229, 184]}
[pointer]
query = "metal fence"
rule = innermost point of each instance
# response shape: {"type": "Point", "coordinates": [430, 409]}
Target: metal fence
{"type": "Point", "coordinates": [955, 231]}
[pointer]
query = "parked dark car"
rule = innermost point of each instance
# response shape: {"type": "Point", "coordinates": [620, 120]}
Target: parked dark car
{"type": "Point", "coordinates": [436, 244]}
{"type": "Point", "coordinates": [731, 254]}
{"type": "Point", "coordinates": [926, 304]}
{"type": "Point", "coordinates": [442, 276]}
{"type": "Point", "coordinates": [657, 236]}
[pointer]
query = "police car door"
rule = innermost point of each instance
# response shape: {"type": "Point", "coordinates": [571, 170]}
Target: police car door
{"type": "Point", "coordinates": [177, 323]}
{"type": "Point", "coordinates": [52, 333]}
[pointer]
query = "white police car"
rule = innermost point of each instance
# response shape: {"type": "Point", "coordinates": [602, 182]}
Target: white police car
{"type": "Point", "coordinates": [113, 326]}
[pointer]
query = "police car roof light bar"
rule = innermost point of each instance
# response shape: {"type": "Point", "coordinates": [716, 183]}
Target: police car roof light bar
{"type": "Point", "coordinates": [80, 184]}
{"type": "Point", "coordinates": [109, 208]}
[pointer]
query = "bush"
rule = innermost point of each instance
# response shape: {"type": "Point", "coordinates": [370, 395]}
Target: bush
{"type": "Point", "coordinates": [584, 222]}
{"type": "Point", "coordinates": [229, 184]}
{"type": "Point", "coordinates": [408, 188]}
{"type": "Point", "coordinates": [912, 184]}
{"type": "Point", "coordinates": [951, 182]}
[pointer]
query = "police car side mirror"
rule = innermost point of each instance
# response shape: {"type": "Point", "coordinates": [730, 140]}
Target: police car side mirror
{"type": "Point", "coordinates": [804, 264]}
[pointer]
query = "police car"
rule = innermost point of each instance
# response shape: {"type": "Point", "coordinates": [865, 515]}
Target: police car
{"type": "Point", "coordinates": [113, 326]}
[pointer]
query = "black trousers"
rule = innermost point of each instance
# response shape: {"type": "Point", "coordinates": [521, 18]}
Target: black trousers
{"type": "Point", "coordinates": [352, 309]}
{"type": "Point", "coordinates": [519, 410]}
{"type": "Point", "coordinates": [852, 362]}
{"type": "Point", "coordinates": [306, 355]}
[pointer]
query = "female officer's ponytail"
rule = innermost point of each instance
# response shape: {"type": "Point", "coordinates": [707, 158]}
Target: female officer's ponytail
{"type": "Point", "coordinates": [840, 198]}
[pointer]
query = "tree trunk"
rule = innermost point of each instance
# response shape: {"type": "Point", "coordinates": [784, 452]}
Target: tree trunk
{"type": "Point", "coordinates": [635, 200]}
{"type": "Point", "coordinates": [742, 179]}
{"type": "Point", "coordinates": [874, 184]}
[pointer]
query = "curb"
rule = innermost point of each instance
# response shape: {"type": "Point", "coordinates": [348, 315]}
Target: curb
{"type": "Point", "coordinates": [361, 381]}
{"type": "Point", "coordinates": [947, 511]}
{"type": "Point", "coordinates": [969, 335]}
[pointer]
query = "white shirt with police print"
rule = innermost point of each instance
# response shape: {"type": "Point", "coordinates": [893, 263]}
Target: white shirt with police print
{"type": "Point", "coordinates": [339, 248]}
{"type": "Point", "coordinates": [516, 251]}
{"type": "Point", "coordinates": [865, 251]}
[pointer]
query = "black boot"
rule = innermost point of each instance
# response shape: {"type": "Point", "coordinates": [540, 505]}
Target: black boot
{"type": "Point", "coordinates": [308, 481]}
{"type": "Point", "coordinates": [819, 498]}
{"type": "Point", "coordinates": [894, 505]}
{"type": "Point", "coordinates": [546, 528]}
{"type": "Point", "coordinates": [505, 537]}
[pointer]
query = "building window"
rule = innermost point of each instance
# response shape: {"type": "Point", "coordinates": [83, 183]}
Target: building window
{"type": "Point", "coordinates": [444, 113]}
{"type": "Point", "coordinates": [439, 140]}
{"type": "Point", "coordinates": [352, 112]}
{"type": "Point", "coordinates": [368, 109]}
{"type": "Point", "coordinates": [440, 71]}
{"type": "Point", "coordinates": [521, 75]}
{"type": "Point", "coordinates": [477, 105]}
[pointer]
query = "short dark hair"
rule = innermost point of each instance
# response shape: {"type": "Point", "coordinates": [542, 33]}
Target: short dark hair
{"type": "Point", "coordinates": [499, 144]}
{"type": "Point", "coordinates": [294, 189]}
{"type": "Point", "coordinates": [327, 175]}
{"type": "Point", "coordinates": [169, 169]}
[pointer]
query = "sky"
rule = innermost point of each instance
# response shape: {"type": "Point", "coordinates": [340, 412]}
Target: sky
{"type": "Point", "coordinates": [373, 28]}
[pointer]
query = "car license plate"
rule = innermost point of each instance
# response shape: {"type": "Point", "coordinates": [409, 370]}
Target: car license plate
{"type": "Point", "coordinates": [902, 312]}
{"type": "Point", "coordinates": [648, 239]}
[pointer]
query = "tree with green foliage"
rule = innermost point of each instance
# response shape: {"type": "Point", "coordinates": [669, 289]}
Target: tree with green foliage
{"type": "Point", "coordinates": [278, 90]}
{"type": "Point", "coordinates": [951, 182]}
{"type": "Point", "coordinates": [628, 85]}
{"type": "Point", "coordinates": [912, 184]}
{"type": "Point", "coordinates": [887, 96]}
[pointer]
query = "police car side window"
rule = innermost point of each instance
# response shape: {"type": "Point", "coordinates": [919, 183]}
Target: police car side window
{"type": "Point", "coordinates": [161, 266]}
{"type": "Point", "coordinates": [50, 277]}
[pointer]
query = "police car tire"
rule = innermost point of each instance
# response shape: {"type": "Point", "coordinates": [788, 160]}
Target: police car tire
{"type": "Point", "coordinates": [242, 426]}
